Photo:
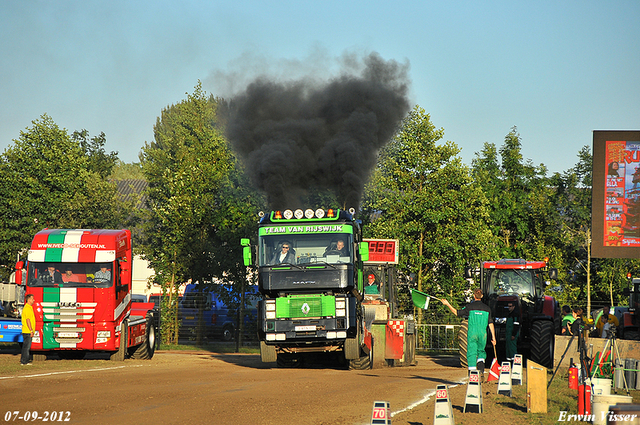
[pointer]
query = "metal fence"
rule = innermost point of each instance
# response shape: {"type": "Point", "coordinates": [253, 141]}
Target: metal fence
{"type": "Point", "coordinates": [437, 337]}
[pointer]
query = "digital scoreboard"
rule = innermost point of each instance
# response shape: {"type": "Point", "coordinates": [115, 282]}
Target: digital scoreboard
{"type": "Point", "coordinates": [383, 251]}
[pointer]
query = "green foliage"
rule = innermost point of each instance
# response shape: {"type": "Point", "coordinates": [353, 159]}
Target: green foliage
{"type": "Point", "coordinates": [199, 206]}
{"type": "Point", "coordinates": [124, 171]}
{"type": "Point", "coordinates": [425, 197]}
{"type": "Point", "coordinates": [51, 179]}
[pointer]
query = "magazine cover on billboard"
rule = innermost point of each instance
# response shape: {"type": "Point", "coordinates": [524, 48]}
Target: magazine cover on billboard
{"type": "Point", "coordinates": [616, 194]}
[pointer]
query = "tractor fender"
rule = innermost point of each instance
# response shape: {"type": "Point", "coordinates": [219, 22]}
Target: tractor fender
{"type": "Point", "coordinates": [549, 306]}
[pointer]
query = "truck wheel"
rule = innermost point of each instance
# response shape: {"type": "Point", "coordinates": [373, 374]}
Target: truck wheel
{"type": "Point", "coordinates": [267, 353]}
{"type": "Point", "coordinates": [227, 333]}
{"type": "Point", "coordinates": [120, 355]}
{"type": "Point", "coordinates": [462, 343]}
{"type": "Point", "coordinates": [39, 357]}
{"type": "Point", "coordinates": [352, 348]}
{"type": "Point", "coordinates": [542, 341]}
{"type": "Point", "coordinates": [146, 350]}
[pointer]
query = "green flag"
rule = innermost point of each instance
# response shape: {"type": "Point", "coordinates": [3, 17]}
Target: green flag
{"type": "Point", "coordinates": [420, 299]}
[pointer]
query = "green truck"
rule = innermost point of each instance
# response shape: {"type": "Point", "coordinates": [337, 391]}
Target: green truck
{"type": "Point", "coordinates": [310, 276]}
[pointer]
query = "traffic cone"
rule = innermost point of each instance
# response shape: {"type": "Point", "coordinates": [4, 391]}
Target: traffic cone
{"type": "Point", "coordinates": [494, 372]}
{"type": "Point", "coordinates": [516, 373]}
{"type": "Point", "coordinates": [380, 413]}
{"type": "Point", "coordinates": [504, 385]}
{"type": "Point", "coordinates": [443, 412]}
{"type": "Point", "coordinates": [473, 399]}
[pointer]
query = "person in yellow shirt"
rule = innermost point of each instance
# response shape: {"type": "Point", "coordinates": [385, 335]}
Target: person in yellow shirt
{"type": "Point", "coordinates": [600, 323]}
{"type": "Point", "coordinates": [28, 327]}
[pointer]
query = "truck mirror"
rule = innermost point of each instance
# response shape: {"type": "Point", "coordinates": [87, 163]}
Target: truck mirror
{"type": "Point", "coordinates": [626, 292]}
{"type": "Point", "coordinates": [124, 264]}
{"type": "Point", "coordinates": [553, 273]}
{"type": "Point", "coordinates": [246, 255]}
{"type": "Point", "coordinates": [18, 272]}
{"type": "Point", "coordinates": [364, 251]}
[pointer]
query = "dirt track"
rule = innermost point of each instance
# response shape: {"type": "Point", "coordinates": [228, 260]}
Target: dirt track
{"type": "Point", "coordinates": [179, 388]}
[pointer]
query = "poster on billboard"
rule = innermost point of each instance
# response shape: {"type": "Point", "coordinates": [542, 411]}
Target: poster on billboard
{"type": "Point", "coordinates": [615, 209]}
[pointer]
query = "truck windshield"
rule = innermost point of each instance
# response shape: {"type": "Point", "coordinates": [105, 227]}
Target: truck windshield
{"type": "Point", "coordinates": [510, 281]}
{"type": "Point", "coordinates": [305, 249]}
{"type": "Point", "coordinates": [70, 275]}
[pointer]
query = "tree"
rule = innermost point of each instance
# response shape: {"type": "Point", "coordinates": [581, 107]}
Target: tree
{"type": "Point", "coordinates": [51, 179]}
{"type": "Point", "coordinates": [125, 171]}
{"type": "Point", "coordinates": [194, 205]}
{"type": "Point", "coordinates": [518, 196]}
{"type": "Point", "coordinates": [427, 199]}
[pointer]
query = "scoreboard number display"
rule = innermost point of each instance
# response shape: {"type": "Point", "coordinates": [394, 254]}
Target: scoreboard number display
{"type": "Point", "coordinates": [383, 251]}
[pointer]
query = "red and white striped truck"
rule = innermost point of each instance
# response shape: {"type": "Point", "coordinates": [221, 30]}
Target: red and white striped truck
{"type": "Point", "coordinates": [81, 281]}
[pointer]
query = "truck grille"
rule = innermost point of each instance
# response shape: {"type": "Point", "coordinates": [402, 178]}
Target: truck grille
{"type": "Point", "coordinates": [304, 307]}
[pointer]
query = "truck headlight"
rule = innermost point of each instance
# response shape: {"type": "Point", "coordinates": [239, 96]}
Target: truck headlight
{"type": "Point", "coordinates": [270, 307]}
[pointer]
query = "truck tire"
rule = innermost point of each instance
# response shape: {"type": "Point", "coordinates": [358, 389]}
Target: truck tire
{"type": "Point", "coordinates": [352, 347]}
{"type": "Point", "coordinates": [267, 353]}
{"type": "Point", "coordinates": [462, 343]}
{"type": "Point", "coordinates": [146, 350]}
{"type": "Point", "coordinates": [228, 333]}
{"type": "Point", "coordinates": [120, 355]}
{"type": "Point", "coordinates": [39, 357]}
{"type": "Point", "coordinates": [542, 341]}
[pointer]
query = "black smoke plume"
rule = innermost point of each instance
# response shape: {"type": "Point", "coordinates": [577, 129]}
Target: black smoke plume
{"type": "Point", "coordinates": [299, 136]}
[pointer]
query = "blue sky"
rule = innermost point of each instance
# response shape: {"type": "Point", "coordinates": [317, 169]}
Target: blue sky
{"type": "Point", "coordinates": [555, 69]}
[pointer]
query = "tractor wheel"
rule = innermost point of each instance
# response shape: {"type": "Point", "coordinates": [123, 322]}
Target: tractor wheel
{"type": "Point", "coordinates": [542, 341]}
{"type": "Point", "coordinates": [120, 355]}
{"type": "Point", "coordinates": [363, 362]}
{"type": "Point", "coordinates": [146, 350]}
{"type": "Point", "coordinates": [462, 343]}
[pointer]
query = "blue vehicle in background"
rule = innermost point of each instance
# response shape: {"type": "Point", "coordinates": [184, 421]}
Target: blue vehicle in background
{"type": "Point", "coordinates": [218, 319]}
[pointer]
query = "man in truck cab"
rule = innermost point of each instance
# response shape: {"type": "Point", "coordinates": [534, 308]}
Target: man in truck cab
{"type": "Point", "coordinates": [285, 255]}
{"type": "Point", "coordinates": [51, 275]}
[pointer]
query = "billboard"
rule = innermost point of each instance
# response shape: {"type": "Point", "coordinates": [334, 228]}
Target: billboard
{"type": "Point", "coordinates": [615, 206]}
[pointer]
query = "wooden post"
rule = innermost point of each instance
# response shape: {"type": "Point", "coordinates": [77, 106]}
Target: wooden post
{"type": "Point", "coordinates": [536, 388]}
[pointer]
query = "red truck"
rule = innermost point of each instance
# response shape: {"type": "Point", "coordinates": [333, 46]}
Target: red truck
{"type": "Point", "coordinates": [81, 281]}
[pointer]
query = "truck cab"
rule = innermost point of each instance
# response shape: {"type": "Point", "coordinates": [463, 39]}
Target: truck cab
{"type": "Point", "coordinates": [310, 278]}
{"type": "Point", "coordinates": [81, 281]}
